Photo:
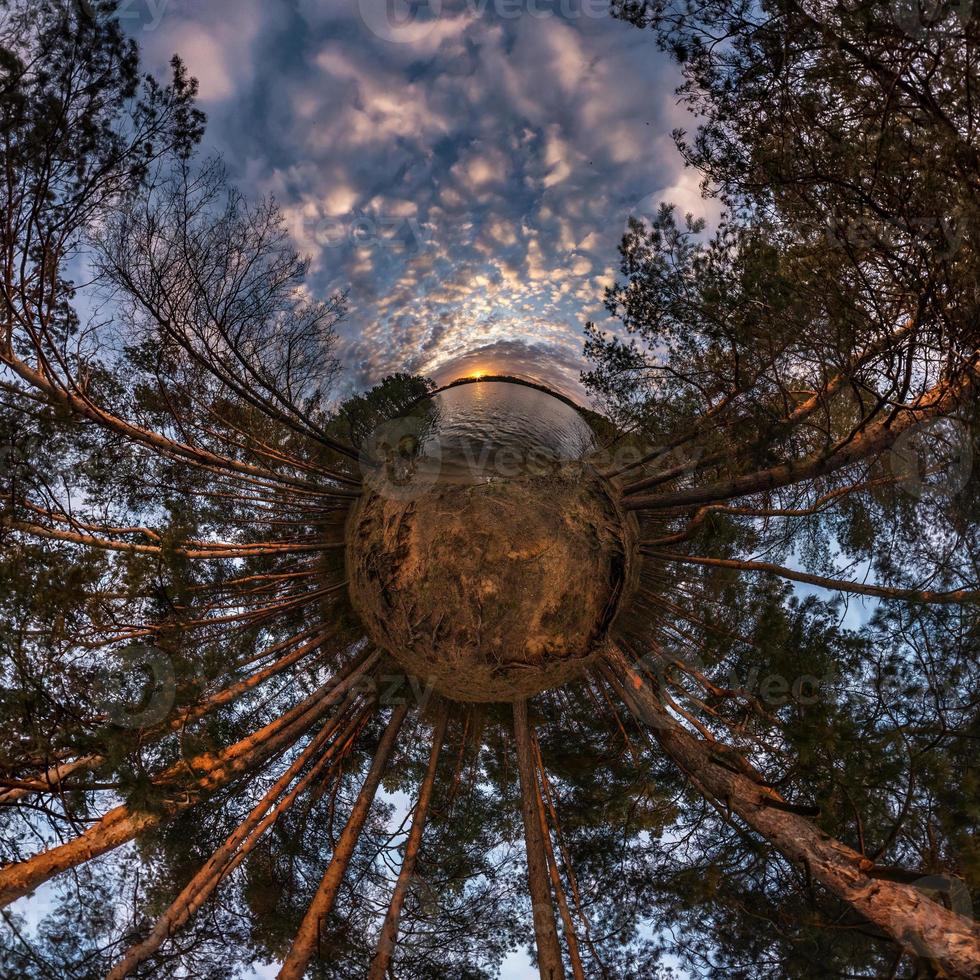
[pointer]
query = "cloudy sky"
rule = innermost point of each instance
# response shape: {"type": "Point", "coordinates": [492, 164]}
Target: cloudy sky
{"type": "Point", "coordinates": [465, 167]}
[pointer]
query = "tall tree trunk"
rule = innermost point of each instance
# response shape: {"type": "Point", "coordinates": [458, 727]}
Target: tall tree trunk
{"type": "Point", "coordinates": [799, 414]}
{"type": "Point", "coordinates": [51, 780]}
{"type": "Point", "coordinates": [307, 938]}
{"type": "Point", "coordinates": [902, 911]}
{"type": "Point", "coordinates": [956, 597]}
{"type": "Point", "coordinates": [81, 406]}
{"type": "Point", "coordinates": [209, 553]}
{"type": "Point", "coordinates": [240, 842]}
{"type": "Point", "coordinates": [212, 771]}
{"type": "Point", "coordinates": [566, 916]}
{"type": "Point", "coordinates": [869, 441]}
{"type": "Point", "coordinates": [548, 798]}
{"type": "Point", "coordinates": [545, 928]}
{"type": "Point", "coordinates": [389, 931]}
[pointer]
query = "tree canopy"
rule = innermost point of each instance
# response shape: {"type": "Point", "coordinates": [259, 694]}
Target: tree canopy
{"type": "Point", "coordinates": [768, 765]}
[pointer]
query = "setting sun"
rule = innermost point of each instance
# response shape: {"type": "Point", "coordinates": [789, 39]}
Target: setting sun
{"type": "Point", "coordinates": [656, 655]}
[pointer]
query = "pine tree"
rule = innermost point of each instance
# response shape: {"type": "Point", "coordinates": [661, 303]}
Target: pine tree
{"type": "Point", "coordinates": [733, 776]}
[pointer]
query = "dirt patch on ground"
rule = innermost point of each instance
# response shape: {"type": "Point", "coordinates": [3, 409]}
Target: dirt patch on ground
{"type": "Point", "coordinates": [494, 591]}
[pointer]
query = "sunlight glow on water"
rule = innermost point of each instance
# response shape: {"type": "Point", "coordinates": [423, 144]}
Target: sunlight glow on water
{"type": "Point", "coordinates": [497, 429]}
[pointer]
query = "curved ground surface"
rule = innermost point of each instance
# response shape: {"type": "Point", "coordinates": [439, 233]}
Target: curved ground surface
{"type": "Point", "coordinates": [493, 591]}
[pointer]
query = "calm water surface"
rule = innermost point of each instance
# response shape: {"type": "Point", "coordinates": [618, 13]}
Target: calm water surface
{"type": "Point", "coordinates": [496, 429]}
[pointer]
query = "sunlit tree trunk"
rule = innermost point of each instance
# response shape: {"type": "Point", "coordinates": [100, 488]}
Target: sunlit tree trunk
{"type": "Point", "coordinates": [241, 841]}
{"type": "Point", "coordinates": [548, 798]}
{"type": "Point", "coordinates": [307, 938]}
{"type": "Point", "coordinates": [794, 418]}
{"type": "Point", "coordinates": [93, 536]}
{"type": "Point", "coordinates": [62, 396]}
{"type": "Point", "coordinates": [212, 771]}
{"type": "Point", "coordinates": [870, 440]}
{"type": "Point", "coordinates": [389, 931]}
{"type": "Point", "coordinates": [957, 596]}
{"type": "Point", "coordinates": [556, 883]}
{"type": "Point", "coordinates": [545, 928]}
{"type": "Point", "coordinates": [51, 780]}
{"type": "Point", "coordinates": [915, 922]}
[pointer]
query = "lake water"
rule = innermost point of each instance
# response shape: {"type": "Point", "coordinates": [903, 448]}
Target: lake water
{"type": "Point", "coordinates": [493, 428]}
{"type": "Point", "coordinates": [483, 431]}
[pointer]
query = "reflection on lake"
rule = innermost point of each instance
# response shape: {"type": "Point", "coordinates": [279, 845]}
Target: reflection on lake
{"type": "Point", "coordinates": [482, 431]}
{"type": "Point", "coordinates": [493, 428]}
